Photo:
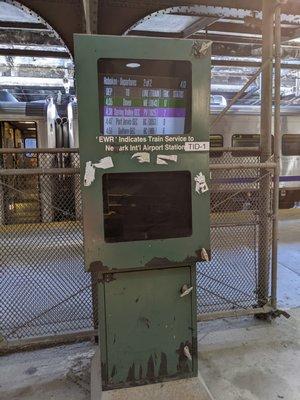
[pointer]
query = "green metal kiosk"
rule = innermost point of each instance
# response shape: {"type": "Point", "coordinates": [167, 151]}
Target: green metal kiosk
{"type": "Point", "coordinates": [144, 149]}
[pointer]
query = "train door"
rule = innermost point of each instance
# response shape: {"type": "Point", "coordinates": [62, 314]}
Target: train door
{"type": "Point", "coordinates": [21, 192]}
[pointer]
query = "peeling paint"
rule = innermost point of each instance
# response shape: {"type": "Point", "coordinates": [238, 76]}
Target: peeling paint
{"type": "Point", "coordinates": [90, 169]}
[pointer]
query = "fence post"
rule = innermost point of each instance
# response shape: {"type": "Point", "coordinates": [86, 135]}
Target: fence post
{"type": "Point", "coordinates": [277, 144]}
{"type": "Point", "coordinates": [266, 135]}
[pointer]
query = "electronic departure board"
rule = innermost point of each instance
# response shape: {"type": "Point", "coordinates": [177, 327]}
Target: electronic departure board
{"type": "Point", "coordinates": [136, 101]}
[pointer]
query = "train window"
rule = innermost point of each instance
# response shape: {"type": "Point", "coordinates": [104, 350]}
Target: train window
{"type": "Point", "coordinates": [247, 141]}
{"type": "Point", "coordinates": [291, 145]}
{"type": "Point", "coordinates": [14, 133]}
{"type": "Point", "coordinates": [216, 141]}
{"type": "Point", "coordinates": [147, 206]}
{"type": "Point", "coordinates": [30, 143]}
{"type": "Point", "coordinates": [144, 97]}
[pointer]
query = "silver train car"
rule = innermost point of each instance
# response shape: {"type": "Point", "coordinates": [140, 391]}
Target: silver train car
{"type": "Point", "coordinates": [33, 198]}
{"type": "Point", "coordinates": [27, 124]}
{"type": "Point", "coordinates": [240, 127]}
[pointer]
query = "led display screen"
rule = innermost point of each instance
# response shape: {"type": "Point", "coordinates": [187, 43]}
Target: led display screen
{"type": "Point", "coordinates": [139, 97]}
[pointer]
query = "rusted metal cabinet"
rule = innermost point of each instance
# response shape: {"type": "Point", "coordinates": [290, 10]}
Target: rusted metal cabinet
{"type": "Point", "coordinates": [149, 328]}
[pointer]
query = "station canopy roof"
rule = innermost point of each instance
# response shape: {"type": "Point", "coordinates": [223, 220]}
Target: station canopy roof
{"type": "Point", "coordinates": [35, 63]}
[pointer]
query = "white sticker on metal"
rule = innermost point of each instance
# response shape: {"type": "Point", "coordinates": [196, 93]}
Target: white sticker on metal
{"type": "Point", "coordinates": [201, 185]}
{"type": "Point", "coordinates": [89, 175]}
{"type": "Point", "coordinates": [196, 146]}
{"type": "Point", "coordinates": [90, 169]}
{"type": "Point", "coordinates": [104, 163]}
{"type": "Point", "coordinates": [163, 159]}
{"type": "Point", "coordinates": [142, 157]}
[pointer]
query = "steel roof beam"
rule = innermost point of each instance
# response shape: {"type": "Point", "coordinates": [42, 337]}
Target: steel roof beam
{"type": "Point", "coordinates": [28, 37]}
{"type": "Point", "coordinates": [291, 8]}
{"type": "Point", "coordinates": [248, 64]}
{"type": "Point", "coordinates": [22, 25]}
{"type": "Point", "coordinates": [202, 23]}
{"type": "Point", "coordinates": [34, 53]}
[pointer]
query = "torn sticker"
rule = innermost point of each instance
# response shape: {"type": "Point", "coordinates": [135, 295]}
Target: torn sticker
{"type": "Point", "coordinates": [142, 157]}
{"type": "Point", "coordinates": [104, 163]}
{"type": "Point", "coordinates": [201, 185]}
{"type": "Point", "coordinates": [200, 48]}
{"type": "Point", "coordinates": [163, 159]}
{"type": "Point", "coordinates": [90, 169]}
{"type": "Point", "coordinates": [89, 175]}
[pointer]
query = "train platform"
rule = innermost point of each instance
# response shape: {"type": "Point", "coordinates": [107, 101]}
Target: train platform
{"type": "Point", "coordinates": [233, 352]}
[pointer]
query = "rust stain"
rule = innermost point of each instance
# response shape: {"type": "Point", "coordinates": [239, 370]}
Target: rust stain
{"type": "Point", "coordinates": [131, 374]}
{"type": "Point", "coordinates": [163, 367]}
{"type": "Point", "coordinates": [158, 262]}
{"type": "Point", "coordinates": [104, 372]}
{"type": "Point", "coordinates": [140, 373]}
{"type": "Point", "coordinates": [113, 371]}
{"type": "Point", "coordinates": [98, 266]}
{"type": "Point", "coordinates": [150, 370]}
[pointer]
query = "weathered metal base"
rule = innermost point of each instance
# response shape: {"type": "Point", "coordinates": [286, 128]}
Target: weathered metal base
{"type": "Point", "coordinates": [191, 389]}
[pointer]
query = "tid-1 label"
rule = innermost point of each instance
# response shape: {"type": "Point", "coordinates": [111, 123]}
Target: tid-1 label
{"type": "Point", "coordinates": [196, 146]}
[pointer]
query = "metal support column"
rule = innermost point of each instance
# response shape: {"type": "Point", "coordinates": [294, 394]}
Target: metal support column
{"type": "Point", "coordinates": [266, 151]}
{"type": "Point", "coordinates": [277, 143]}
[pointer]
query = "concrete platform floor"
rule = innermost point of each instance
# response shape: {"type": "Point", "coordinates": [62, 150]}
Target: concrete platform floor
{"type": "Point", "coordinates": [239, 359]}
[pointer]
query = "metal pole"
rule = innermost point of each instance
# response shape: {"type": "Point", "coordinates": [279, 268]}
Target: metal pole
{"type": "Point", "coordinates": [265, 142]}
{"type": "Point", "coordinates": [277, 145]}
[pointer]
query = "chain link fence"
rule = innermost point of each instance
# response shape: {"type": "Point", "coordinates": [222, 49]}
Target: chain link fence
{"type": "Point", "coordinates": [44, 289]}
{"type": "Point", "coordinates": [233, 280]}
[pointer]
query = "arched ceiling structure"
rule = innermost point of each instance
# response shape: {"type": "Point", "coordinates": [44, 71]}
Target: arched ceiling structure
{"type": "Point", "coordinates": [118, 16]}
{"type": "Point", "coordinates": [234, 26]}
{"type": "Point", "coordinates": [66, 17]}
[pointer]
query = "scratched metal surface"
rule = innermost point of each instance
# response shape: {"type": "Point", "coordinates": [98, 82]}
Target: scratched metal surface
{"type": "Point", "coordinates": [147, 322]}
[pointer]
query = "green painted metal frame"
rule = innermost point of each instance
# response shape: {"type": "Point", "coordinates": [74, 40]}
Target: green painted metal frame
{"type": "Point", "coordinates": [173, 355]}
{"type": "Point", "coordinates": [105, 257]}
